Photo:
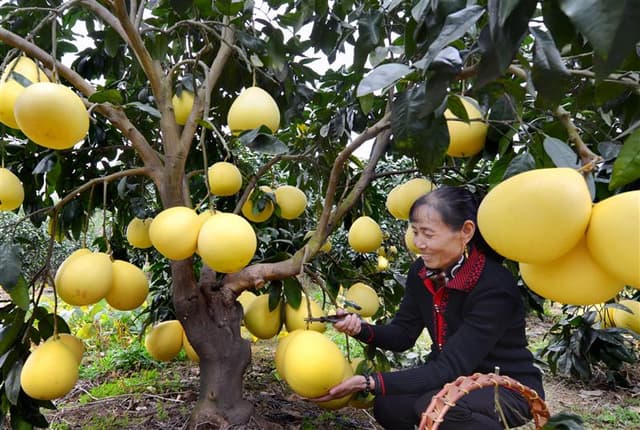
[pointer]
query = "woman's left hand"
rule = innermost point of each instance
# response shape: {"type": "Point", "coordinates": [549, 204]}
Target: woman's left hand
{"type": "Point", "coordinates": [352, 385]}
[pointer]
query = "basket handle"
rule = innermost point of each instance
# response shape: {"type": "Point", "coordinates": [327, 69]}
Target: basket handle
{"type": "Point", "coordinates": [447, 397]}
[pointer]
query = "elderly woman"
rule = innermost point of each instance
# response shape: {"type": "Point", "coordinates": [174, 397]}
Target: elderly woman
{"type": "Point", "coordinates": [473, 310]}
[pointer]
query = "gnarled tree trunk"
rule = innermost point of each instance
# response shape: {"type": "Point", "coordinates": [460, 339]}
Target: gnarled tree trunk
{"type": "Point", "coordinates": [211, 317]}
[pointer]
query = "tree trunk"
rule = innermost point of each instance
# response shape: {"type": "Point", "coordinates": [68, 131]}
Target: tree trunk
{"type": "Point", "coordinates": [211, 316]}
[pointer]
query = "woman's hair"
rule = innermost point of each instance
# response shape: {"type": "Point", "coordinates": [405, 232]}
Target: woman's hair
{"type": "Point", "coordinates": [455, 204]}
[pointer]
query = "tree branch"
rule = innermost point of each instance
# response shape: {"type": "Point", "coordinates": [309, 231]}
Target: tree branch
{"type": "Point", "coordinates": [256, 275]}
{"type": "Point", "coordinates": [587, 156]}
{"type": "Point", "coordinates": [105, 179]}
{"type": "Point", "coordinates": [114, 114]}
{"type": "Point", "coordinates": [132, 37]}
{"type": "Point", "coordinates": [216, 69]}
{"type": "Point", "coordinates": [338, 165]}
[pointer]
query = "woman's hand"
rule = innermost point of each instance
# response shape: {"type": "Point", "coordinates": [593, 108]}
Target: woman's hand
{"type": "Point", "coordinates": [348, 386]}
{"type": "Point", "coordinates": [351, 324]}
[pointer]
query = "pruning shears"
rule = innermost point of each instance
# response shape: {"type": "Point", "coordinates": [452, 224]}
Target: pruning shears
{"type": "Point", "coordinates": [334, 318]}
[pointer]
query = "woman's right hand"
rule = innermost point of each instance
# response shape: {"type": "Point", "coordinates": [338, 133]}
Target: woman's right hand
{"type": "Point", "coordinates": [350, 324]}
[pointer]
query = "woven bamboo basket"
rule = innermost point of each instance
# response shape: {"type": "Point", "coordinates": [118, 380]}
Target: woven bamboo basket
{"type": "Point", "coordinates": [446, 398]}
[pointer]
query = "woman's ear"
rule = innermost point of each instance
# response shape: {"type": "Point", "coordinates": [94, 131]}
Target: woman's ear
{"type": "Point", "coordinates": [468, 230]}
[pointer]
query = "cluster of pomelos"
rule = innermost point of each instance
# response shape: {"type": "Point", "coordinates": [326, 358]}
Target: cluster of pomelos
{"type": "Point", "coordinates": [569, 250]}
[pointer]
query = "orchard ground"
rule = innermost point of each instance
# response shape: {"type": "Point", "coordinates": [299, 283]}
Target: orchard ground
{"type": "Point", "coordinates": [125, 390]}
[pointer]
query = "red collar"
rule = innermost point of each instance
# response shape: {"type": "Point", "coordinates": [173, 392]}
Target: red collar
{"type": "Point", "coordinates": [466, 277]}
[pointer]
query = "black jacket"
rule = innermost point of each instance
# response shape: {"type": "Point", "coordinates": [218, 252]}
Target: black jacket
{"type": "Point", "coordinates": [483, 327]}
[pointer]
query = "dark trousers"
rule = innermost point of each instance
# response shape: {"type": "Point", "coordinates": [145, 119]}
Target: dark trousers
{"type": "Point", "coordinates": [474, 411]}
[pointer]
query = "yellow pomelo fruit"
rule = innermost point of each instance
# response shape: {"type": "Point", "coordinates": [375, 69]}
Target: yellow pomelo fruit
{"type": "Point", "coordinates": [188, 349]}
{"type": "Point", "coordinates": [130, 286]}
{"type": "Point", "coordinates": [224, 179]}
{"type": "Point", "coordinates": [291, 200]}
{"type": "Point", "coordinates": [11, 190]}
{"type": "Point", "coordinates": [138, 233]}
{"type": "Point", "coordinates": [364, 296]}
{"type": "Point", "coordinates": [246, 298]}
{"type": "Point", "coordinates": [182, 106]}
{"type": "Point", "coordinates": [264, 214]}
{"type": "Point", "coordinates": [260, 321]}
{"type": "Point", "coordinates": [401, 197]}
{"type": "Point", "coordinates": [613, 236]}
{"type": "Point", "coordinates": [574, 278]}
{"type": "Point", "coordinates": [365, 235]}
{"type": "Point", "coordinates": [174, 232]}
{"type": "Point", "coordinates": [466, 139]}
{"type": "Point", "coordinates": [342, 401]}
{"type": "Point", "coordinates": [382, 264]}
{"type": "Point", "coordinates": [294, 319]}
{"type": "Point", "coordinates": [85, 279]}
{"type": "Point", "coordinates": [227, 242]}
{"type": "Point", "coordinates": [536, 216]}
{"type": "Point", "coordinates": [313, 364]}
{"type": "Point", "coordinates": [622, 318]}
{"type": "Point", "coordinates": [326, 247]}
{"type": "Point", "coordinates": [67, 262]}
{"type": "Point", "coordinates": [50, 372]}
{"type": "Point", "coordinates": [164, 340]}
{"type": "Point", "coordinates": [11, 88]}
{"type": "Point", "coordinates": [253, 108]}
{"type": "Point", "coordinates": [281, 350]}
{"type": "Point", "coordinates": [408, 241]}
{"type": "Point", "coordinates": [74, 343]}
{"type": "Point", "coordinates": [51, 115]}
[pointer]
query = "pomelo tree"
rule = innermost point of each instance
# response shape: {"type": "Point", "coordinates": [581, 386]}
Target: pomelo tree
{"type": "Point", "coordinates": [556, 82]}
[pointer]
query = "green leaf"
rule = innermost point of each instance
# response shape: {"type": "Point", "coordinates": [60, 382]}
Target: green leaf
{"type": "Point", "coordinates": [418, 130]}
{"type": "Point", "coordinates": [549, 73]}
{"type": "Point", "coordinates": [103, 96]}
{"type": "Point", "coordinates": [521, 163]}
{"type": "Point", "coordinates": [20, 294]}
{"type": "Point", "coordinates": [21, 79]}
{"type": "Point", "coordinates": [181, 6]}
{"type": "Point", "coordinates": [455, 26]}
{"type": "Point", "coordinates": [558, 23]}
{"type": "Point", "coordinates": [564, 421]}
{"type": "Point", "coordinates": [611, 28]}
{"type": "Point", "coordinates": [420, 9]}
{"type": "Point", "coordinates": [46, 323]}
{"type": "Point", "coordinates": [454, 104]}
{"type": "Point", "coordinates": [144, 108]}
{"type": "Point", "coordinates": [229, 7]}
{"type": "Point", "coordinates": [370, 35]}
{"type": "Point", "coordinates": [275, 294]}
{"type": "Point", "coordinates": [381, 77]}
{"type": "Point", "coordinates": [12, 382]}
{"type": "Point", "coordinates": [626, 168]}
{"type": "Point", "coordinates": [366, 103]}
{"type": "Point", "coordinates": [560, 153]}
{"type": "Point", "coordinates": [11, 264]}
{"type": "Point", "coordinates": [500, 43]}
{"type": "Point", "coordinates": [19, 423]}
{"type": "Point", "coordinates": [506, 7]}
{"type": "Point", "coordinates": [112, 42]}
{"type": "Point", "coordinates": [10, 330]}
{"type": "Point", "coordinates": [261, 140]}
{"type": "Point", "coordinates": [292, 292]}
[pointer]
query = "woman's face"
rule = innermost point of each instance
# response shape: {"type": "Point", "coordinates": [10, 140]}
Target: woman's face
{"type": "Point", "coordinates": [440, 246]}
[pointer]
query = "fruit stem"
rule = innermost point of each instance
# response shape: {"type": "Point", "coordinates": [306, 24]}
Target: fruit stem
{"type": "Point", "coordinates": [588, 157]}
